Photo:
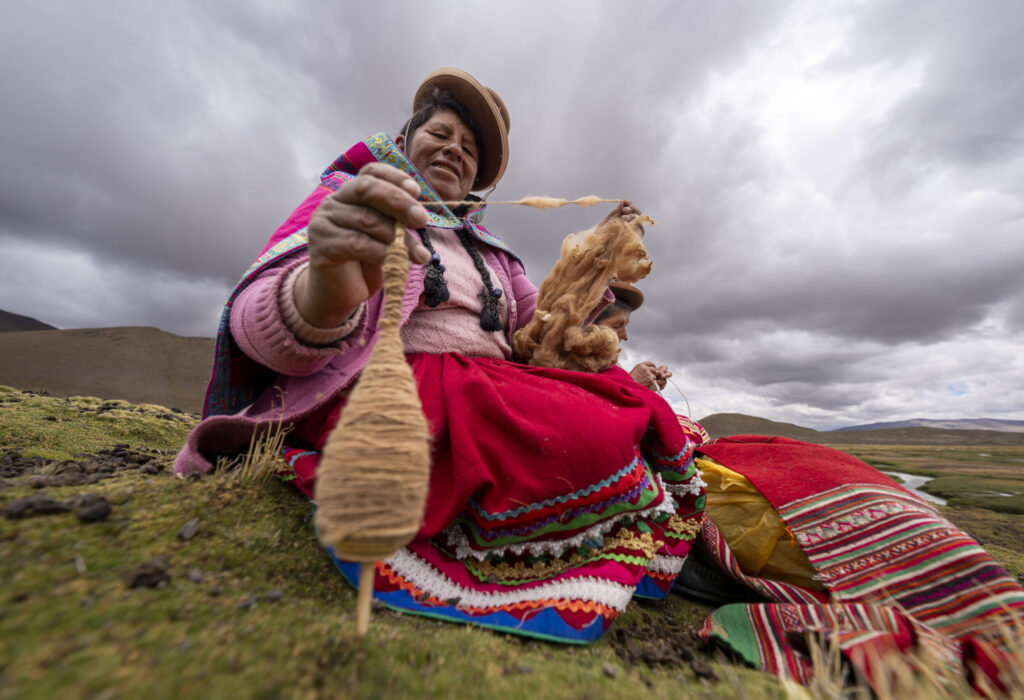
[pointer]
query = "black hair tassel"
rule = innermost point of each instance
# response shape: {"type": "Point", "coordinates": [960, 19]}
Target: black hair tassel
{"type": "Point", "coordinates": [435, 287]}
{"type": "Point", "coordinates": [490, 320]}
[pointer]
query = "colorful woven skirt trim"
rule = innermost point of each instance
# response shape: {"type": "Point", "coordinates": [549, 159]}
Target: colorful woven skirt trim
{"type": "Point", "coordinates": [554, 497]}
{"type": "Point", "coordinates": [898, 575]}
{"type": "Point", "coordinates": [572, 599]}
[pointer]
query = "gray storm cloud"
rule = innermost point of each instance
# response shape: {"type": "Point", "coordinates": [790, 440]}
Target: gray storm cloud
{"type": "Point", "coordinates": [840, 223]}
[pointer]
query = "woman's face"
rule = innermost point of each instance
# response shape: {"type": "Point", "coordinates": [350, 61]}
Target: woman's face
{"type": "Point", "coordinates": [444, 151]}
{"type": "Point", "coordinates": [617, 322]}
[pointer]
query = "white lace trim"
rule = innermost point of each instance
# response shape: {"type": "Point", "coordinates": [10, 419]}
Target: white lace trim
{"type": "Point", "coordinates": [694, 487]}
{"type": "Point", "coordinates": [463, 550]}
{"type": "Point", "coordinates": [426, 578]}
{"type": "Point", "coordinates": [666, 564]}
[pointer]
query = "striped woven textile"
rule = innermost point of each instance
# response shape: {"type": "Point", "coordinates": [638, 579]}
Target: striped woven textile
{"type": "Point", "coordinates": [900, 578]}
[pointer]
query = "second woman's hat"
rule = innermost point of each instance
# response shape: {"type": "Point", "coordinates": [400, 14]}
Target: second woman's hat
{"type": "Point", "coordinates": [487, 109]}
{"type": "Point", "coordinates": [627, 294]}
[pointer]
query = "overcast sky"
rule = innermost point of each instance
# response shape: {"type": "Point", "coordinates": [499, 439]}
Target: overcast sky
{"type": "Point", "coordinates": [838, 186]}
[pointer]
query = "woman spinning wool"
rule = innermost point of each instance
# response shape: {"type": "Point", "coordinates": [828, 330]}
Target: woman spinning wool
{"type": "Point", "coordinates": [616, 316]}
{"type": "Point", "coordinates": [554, 495]}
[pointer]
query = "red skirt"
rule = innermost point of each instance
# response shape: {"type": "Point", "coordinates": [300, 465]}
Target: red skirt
{"type": "Point", "coordinates": [549, 490]}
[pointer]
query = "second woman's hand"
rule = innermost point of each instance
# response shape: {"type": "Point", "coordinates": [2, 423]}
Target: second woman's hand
{"type": "Point", "coordinates": [349, 234]}
{"type": "Point", "coordinates": [652, 376]}
{"type": "Point", "coordinates": [626, 211]}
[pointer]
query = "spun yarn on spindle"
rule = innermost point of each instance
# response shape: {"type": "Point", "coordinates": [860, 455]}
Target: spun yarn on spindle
{"type": "Point", "coordinates": [372, 479]}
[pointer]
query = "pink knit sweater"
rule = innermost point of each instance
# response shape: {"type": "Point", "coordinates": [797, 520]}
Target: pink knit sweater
{"type": "Point", "coordinates": [314, 370]}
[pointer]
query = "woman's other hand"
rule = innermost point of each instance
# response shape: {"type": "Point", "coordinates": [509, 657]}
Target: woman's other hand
{"type": "Point", "coordinates": [626, 210]}
{"type": "Point", "coordinates": [349, 234]}
{"type": "Point", "coordinates": [652, 376]}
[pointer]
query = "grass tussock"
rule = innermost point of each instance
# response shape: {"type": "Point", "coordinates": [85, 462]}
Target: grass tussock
{"type": "Point", "coordinates": [261, 461]}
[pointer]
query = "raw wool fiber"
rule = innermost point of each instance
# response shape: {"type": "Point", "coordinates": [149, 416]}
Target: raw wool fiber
{"type": "Point", "coordinates": [556, 335]}
{"type": "Point", "coordinates": [371, 485]}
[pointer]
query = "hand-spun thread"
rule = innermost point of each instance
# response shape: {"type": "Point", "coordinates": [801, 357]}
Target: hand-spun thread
{"type": "Point", "coordinates": [688, 413]}
{"type": "Point", "coordinates": [556, 336]}
{"type": "Point", "coordinates": [372, 479]}
{"type": "Point", "coordinates": [535, 201]}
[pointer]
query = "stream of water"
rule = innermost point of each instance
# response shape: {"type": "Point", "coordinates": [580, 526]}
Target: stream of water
{"type": "Point", "coordinates": [913, 483]}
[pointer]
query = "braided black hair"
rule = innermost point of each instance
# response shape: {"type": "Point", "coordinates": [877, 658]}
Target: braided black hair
{"type": "Point", "coordinates": [435, 287]}
{"type": "Point", "coordinates": [490, 320]}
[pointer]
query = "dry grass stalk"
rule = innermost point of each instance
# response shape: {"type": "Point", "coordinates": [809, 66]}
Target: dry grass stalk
{"type": "Point", "coordinates": [261, 461]}
{"type": "Point", "coordinates": [920, 673]}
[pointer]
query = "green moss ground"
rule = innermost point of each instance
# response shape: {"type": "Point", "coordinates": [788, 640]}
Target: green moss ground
{"type": "Point", "coordinates": [253, 607]}
{"type": "Point", "coordinates": [61, 428]}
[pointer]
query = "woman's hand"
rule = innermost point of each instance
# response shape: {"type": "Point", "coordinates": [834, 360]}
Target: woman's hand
{"type": "Point", "coordinates": [652, 376]}
{"type": "Point", "coordinates": [349, 234]}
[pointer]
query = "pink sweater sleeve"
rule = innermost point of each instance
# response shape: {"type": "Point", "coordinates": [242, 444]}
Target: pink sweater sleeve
{"type": "Point", "coordinates": [525, 293]}
{"type": "Point", "coordinates": [272, 333]}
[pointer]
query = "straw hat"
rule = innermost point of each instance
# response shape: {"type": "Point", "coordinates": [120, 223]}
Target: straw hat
{"type": "Point", "coordinates": [627, 294]}
{"type": "Point", "coordinates": [488, 110]}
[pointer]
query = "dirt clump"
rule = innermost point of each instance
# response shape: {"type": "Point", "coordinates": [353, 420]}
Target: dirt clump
{"type": "Point", "coordinates": [152, 573]}
{"type": "Point", "coordinates": [92, 508]}
{"type": "Point", "coordinates": [667, 644]}
{"type": "Point", "coordinates": [34, 505]}
{"type": "Point", "coordinates": [39, 473]}
{"type": "Point", "coordinates": [87, 469]}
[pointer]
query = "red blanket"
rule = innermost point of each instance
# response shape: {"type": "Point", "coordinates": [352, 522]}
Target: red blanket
{"type": "Point", "coordinates": [900, 577]}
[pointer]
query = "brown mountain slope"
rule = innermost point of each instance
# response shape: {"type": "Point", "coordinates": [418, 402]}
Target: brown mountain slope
{"type": "Point", "coordinates": [723, 424]}
{"type": "Point", "coordinates": [138, 364]}
{"type": "Point", "coordinates": [147, 365]}
{"type": "Point", "coordinates": [10, 323]}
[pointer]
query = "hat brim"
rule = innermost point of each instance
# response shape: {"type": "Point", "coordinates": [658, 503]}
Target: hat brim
{"type": "Point", "coordinates": [627, 294]}
{"type": "Point", "coordinates": [487, 109]}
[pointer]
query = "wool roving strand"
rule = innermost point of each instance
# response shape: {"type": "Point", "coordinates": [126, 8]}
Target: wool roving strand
{"type": "Point", "coordinates": [535, 201]}
{"type": "Point", "coordinates": [373, 475]}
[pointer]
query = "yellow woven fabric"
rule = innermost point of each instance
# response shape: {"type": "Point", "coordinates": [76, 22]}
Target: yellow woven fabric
{"type": "Point", "coordinates": [751, 527]}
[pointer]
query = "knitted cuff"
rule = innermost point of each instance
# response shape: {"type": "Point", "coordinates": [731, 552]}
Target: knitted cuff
{"type": "Point", "coordinates": [304, 332]}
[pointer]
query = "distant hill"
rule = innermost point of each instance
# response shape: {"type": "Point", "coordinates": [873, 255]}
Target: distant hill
{"type": "Point", "coordinates": [724, 424]}
{"type": "Point", "coordinates": [13, 322]}
{"type": "Point", "coordinates": [137, 364]}
{"type": "Point", "coordinates": [1013, 426]}
{"type": "Point", "coordinates": [148, 365]}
